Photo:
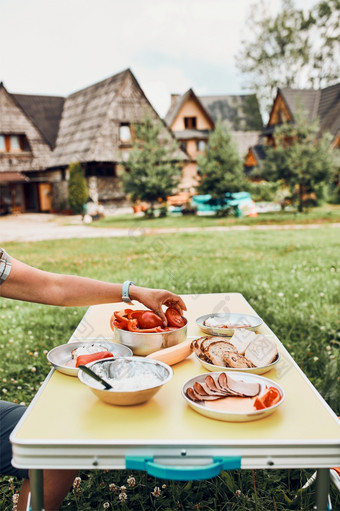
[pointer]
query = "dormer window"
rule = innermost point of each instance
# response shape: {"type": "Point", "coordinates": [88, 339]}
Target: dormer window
{"type": "Point", "coordinates": [190, 123]}
{"type": "Point", "coordinates": [124, 133]}
{"type": "Point", "coordinates": [13, 143]}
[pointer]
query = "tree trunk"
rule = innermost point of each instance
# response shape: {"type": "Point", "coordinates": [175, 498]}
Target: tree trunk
{"type": "Point", "coordinates": [300, 208]}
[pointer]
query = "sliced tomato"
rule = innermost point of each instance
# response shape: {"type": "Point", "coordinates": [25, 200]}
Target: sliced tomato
{"type": "Point", "coordinates": [174, 318]}
{"type": "Point", "coordinates": [258, 404]}
{"type": "Point", "coordinates": [85, 359]}
{"type": "Point", "coordinates": [149, 320]}
{"type": "Point", "coordinates": [271, 397]}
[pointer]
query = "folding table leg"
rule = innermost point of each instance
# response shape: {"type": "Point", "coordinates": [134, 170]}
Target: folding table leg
{"type": "Point", "coordinates": [37, 490]}
{"type": "Point", "coordinates": [322, 489]}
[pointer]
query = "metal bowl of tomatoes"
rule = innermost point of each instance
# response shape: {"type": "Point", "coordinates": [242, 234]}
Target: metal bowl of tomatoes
{"type": "Point", "coordinates": [143, 331]}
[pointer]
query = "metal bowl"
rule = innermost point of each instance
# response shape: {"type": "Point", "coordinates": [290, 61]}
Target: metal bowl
{"type": "Point", "coordinates": [134, 379]}
{"type": "Point", "coordinates": [142, 343]}
{"type": "Point", "coordinates": [60, 356]}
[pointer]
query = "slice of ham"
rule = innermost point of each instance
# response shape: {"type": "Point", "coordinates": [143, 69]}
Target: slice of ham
{"type": "Point", "coordinates": [220, 387]}
{"type": "Point", "coordinates": [204, 390]}
{"type": "Point", "coordinates": [248, 389]}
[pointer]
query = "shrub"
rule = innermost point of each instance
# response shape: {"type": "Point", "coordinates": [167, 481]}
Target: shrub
{"type": "Point", "coordinates": [77, 188]}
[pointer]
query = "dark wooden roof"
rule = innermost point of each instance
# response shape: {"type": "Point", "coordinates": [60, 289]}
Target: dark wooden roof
{"type": "Point", "coordinates": [89, 127]}
{"type": "Point", "coordinates": [239, 112]}
{"type": "Point", "coordinates": [323, 104]}
{"type": "Point", "coordinates": [44, 111]}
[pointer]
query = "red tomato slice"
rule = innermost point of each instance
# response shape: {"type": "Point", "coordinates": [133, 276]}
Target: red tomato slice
{"type": "Point", "coordinates": [174, 318]}
{"type": "Point", "coordinates": [149, 320]}
{"type": "Point", "coordinates": [85, 359]}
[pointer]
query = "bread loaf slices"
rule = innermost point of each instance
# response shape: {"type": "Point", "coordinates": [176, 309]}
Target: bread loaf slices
{"type": "Point", "coordinates": [262, 351]}
{"type": "Point", "coordinates": [217, 350]}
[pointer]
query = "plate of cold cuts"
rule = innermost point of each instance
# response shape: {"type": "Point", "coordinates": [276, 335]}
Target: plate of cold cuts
{"type": "Point", "coordinates": [67, 357]}
{"type": "Point", "coordinates": [245, 351]}
{"type": "Point", "coordinates": [233, 397]}
{"type": "Point", "coordinates": [227, 323]}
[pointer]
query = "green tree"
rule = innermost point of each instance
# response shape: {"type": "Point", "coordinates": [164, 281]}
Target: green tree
{"type": "Point", "coordinates": [300, 159]}
{"type": "Point", "coordinates": [152, 169]}
{"type": "Point", "coordinates": [221, 169]}
{"type": "Point", "coordinates": [77, 188]}
{"type": "Point", "coordinates": [292, 49]}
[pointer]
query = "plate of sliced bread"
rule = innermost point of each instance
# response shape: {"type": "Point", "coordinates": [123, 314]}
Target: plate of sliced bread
{"type": "Point", "coordinates": [228, 323]}
{"type": "Point", "coordinates": [245, 351]}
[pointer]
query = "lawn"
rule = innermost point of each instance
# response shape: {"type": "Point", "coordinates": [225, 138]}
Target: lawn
{"type": "Point", "coordinates": [290, 277]}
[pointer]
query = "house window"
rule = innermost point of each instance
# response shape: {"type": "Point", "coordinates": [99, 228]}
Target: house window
{"type": "Point", "coordinates": [183, 146]}
{"type": "Point", "coordinates": [201, 145]}
{"type": "Point", "coordinates": [124, 133]}
{"type": "Point", "coordinates": [190, 122]}
{"type": "Point", "coordinates": [13, 143]}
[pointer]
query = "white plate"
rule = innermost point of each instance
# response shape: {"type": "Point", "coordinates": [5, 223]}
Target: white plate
{"type": "Point", "coordinates": [246, 321]}
{"type": "Point", "coordinates": [252, 370]}
{"type": "Point", "coordinates": [60, 355]}
{"type": "Point", "coordinates": [231, 416]}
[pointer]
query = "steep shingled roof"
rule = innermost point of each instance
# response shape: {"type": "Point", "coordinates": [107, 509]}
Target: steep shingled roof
{"type": "Point", "coordinates": [83, 115]}
{"type": "Point", "coordinates": [89, 127]}
{"type": "Point", "coordinates": [239, 112]}
{"type": "Point", "coordinates": [45, 112]}
{"type": "Point", "coordinates": [323, 104]}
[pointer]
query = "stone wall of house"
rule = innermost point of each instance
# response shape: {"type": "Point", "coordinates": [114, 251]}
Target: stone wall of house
{"type": "Point", "coordinates": [60, 195]}
{"type": "Point", "coordinates": [108, 190]}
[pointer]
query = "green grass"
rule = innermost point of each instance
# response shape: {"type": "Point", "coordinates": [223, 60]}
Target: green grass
{"type": "Point", "coordinates": [326, 214]}
{"type": "Point", "coordinates": [291, 278]}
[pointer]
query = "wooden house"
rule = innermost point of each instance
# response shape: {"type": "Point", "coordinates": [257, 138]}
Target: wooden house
{"type": "Point", "coordinates": [191, 118]}
{"type": "Point", "coordinates": [91, 126]}
{"type": "Point", "coordinates": [28, 132]}
{"type": "Point", "coordinates": [95, 129]}
{"type": "Point", "coordinates": [322, 104]}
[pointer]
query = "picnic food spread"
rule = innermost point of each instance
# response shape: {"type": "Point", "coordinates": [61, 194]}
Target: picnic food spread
{"type": "Point", "coordinates": [146, 321]}
{"type": "Point", "coordinates": [244, 350]}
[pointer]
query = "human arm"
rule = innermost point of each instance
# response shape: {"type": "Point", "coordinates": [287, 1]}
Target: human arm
{"type": "Point", "coordinates": [33, 285]}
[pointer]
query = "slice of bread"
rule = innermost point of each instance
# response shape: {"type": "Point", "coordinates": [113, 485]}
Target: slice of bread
{"type": "Point", "coordinates": [217, 350]}
{"type": "Point", "coordinates": [262, 351]}
{"type": "Point", "coordinates": [241, 339]}
{"type": "Point", "coordinates": [209, 340]}
{"type": "Point", "coordinates": [237, 361]}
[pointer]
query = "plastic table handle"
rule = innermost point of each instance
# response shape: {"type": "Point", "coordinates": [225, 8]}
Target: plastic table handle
{"type": "Point", "coordinates": [183, 473]}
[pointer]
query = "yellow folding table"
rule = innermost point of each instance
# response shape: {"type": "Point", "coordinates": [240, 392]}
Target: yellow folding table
{"type": "Point", "coordinates": [66, 426]}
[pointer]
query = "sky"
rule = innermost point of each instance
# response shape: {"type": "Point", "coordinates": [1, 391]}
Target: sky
{"type": "Point", "coordinates": [56, 47]}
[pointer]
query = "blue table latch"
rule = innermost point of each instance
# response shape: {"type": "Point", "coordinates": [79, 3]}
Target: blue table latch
{"type": "Point", "coordinates": [182, 473]}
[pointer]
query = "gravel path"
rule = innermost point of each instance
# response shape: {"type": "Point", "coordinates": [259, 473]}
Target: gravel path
{"type": "Point", "coordinates": [38, 227]}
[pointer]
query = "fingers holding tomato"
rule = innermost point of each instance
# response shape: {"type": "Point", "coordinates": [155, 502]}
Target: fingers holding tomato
{"type": "Point", "coordinates": [174, 318]}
